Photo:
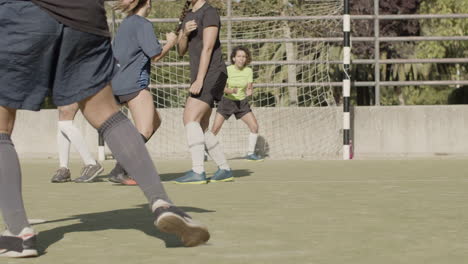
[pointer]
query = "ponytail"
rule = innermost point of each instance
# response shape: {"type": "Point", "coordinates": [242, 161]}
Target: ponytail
{"type": "Point", "coordinates": [182, 15]}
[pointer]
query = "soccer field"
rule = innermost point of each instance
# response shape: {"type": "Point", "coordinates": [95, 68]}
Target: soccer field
{"type": "Point", "coordinates": [372, 211]}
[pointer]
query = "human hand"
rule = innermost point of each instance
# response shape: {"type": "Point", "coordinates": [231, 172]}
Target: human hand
{"type": "Point", "coordinates": [249, 92]}
{"type": "Point", "coordinates": [189, 27]}
{"type": "Point", "coordinates": [234, 90]}
{"type": "Point", "coordinates": [196, 87]}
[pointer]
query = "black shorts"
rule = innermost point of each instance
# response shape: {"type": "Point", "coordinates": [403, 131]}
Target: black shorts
{"type": "Point", "coordinates": [213, 88]}
{"type": "Point", "coordinates": [122, 99]}
{"type": "Point", "coordinates": [38, 54]}
{"type": "Point", "coordinates": [228, 107]}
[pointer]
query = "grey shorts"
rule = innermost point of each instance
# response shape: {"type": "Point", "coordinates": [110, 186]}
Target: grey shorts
{"type": "Point", "coordinates": [39, 56]}
{"type": "Point", "coordinates": [228, 107]}
{"type": "Point", "coordinates": [213, 88]}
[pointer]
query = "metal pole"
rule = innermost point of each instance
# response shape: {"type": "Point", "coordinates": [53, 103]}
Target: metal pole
{"type": "Point", "coordinates": [113, 22]}
{"type": "Point", "coordinates": [377, 52]}
{"type": "Point", "coordinates": [346, 82]}
{"type": "Point", "coordinates": [101, 144]}
{"type": "Point", "coordinates": [229, 27]}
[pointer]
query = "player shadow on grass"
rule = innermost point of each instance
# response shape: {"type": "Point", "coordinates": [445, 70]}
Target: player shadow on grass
{"type": "Point", "coordinates": [172, 176]}
{"type": "Point", "coordinates": [139, 218]}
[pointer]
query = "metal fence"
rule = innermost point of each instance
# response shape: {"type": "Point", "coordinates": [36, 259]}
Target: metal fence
{"type": "Point", "coordinates": [376, 39]}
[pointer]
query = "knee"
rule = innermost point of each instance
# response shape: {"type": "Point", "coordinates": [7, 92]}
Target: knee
{"type": "Point", "coordinates": [215, 130]}
{"type": "Point", "coordinates": [67, 112]}
{"type": "Point", "coordinates": [157, 123]}
{"type": "Point", "coordinates": [147, 133]}
{"type": "Point", "coordinates": [254, 128]}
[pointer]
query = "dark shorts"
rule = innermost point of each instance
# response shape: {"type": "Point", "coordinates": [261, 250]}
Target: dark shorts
{"type": "Point", "coordinates": [213, 88]}
{"type": "Point", "coordinates": [39, 55]}
{"type": "Point", "coordinates": [122, 99]}
{"type": "Point", "coordinates": [228, 107]}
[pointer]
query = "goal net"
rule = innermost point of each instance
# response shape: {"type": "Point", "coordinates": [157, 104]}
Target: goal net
{"type": "Point", "coordinates": [292, 100]}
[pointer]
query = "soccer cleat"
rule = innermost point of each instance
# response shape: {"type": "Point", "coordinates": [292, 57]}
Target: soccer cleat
{"type": "Point", "coordinates": [191, 177]}
{"type": "Point", "coordinates": [253, 157]}
{"type": "Point", "coordinates": [119, 175]}
{"type": "Point", "coordinates": [20, 246]}
{"type": "Point", "coordinates": [116, 172]}
{"type": "Point", "coordinates": [62, 175]}
{"type": "Point", "coordinates": [89, 172]}
{"type": "Point", "coordinates": [171, 219]}
{"type": "Point", "coordinates": [222, 176]}
{"type": "Point", "coordinates": [123, 179]}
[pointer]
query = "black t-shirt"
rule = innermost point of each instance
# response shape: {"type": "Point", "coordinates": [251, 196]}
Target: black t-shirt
{"type": "Point", "coordinates": [205, 16]}
{"type": "Point", "coordinates": [83, 15]}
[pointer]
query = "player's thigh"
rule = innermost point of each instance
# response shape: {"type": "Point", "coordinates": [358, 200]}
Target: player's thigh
{"type": "Point", "coordinates": [99, 107]}
{"type": "Point", "coordinates": [142, 110]}
{"type": "Point", "coordinates": [195, 110]}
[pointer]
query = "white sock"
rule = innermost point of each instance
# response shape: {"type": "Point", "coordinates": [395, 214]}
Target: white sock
{"type": "Point", "coordinates": [159, 203]}
{"type": "Point", "coordinates": [63, 145]}
{"type": "Point", "coordinates": [76, 138]}
{"type": "Point", "coordinates": [252, 142]}
{"type": "Point", "coordinates": [196, 142]}
{"type": "Point", "coordinates": [215, 150]}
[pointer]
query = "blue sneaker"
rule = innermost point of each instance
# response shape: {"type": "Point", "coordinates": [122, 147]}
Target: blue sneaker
{"type": "Point", "coordinates": [222, 176]}
{"type": "Point", "coordinates": [253, 157]}
{"type": "Point", "coordinates": [191, 177]}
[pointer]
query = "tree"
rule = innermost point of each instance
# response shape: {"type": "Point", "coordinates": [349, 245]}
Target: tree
{"type": "Point", "coordinates": [388, 28]}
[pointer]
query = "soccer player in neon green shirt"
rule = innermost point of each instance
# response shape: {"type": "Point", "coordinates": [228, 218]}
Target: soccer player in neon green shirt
{"type": "Point", "coordinates": [235, 102]}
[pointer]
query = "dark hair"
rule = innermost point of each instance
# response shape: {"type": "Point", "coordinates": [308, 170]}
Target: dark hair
{"type": "Point", "coordinates": [182, 15]}
{"type": "Point", "coordinates": [244, 49]}
{"type": "Point", "coordinates": [131, 7]}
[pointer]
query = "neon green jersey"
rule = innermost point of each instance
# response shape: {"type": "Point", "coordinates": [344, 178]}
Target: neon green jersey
{"type": "Point", "coordinates": [238, 79]}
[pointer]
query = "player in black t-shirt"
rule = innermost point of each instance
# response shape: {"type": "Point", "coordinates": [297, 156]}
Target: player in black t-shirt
{"type": "Point", "coordinates": [64, 46]}
{"type": "Point", "coordinates": [199, 34]}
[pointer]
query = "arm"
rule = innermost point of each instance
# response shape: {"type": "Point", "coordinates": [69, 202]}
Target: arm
{"type": "Point", "coordinates": [182, 42]}
{"type": "Point", "coordinates": [171, 42]}
{"type": "Point", "coordinates": [249, 90]}
{"type": "Point", "coordinates": [227, 90]}
{"type": "Point", "coordinates": [210, 35]}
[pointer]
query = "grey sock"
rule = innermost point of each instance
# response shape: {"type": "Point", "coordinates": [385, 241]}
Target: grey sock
{"type": "Point", "coordinates": [11, 200]}
{"type": "Point", "coordinates": [129, 150]}
{"type": "Point", "coordinates": [145, 140]}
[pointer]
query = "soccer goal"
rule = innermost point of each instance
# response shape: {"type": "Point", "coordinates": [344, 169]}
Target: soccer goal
{"type": "Point", "coordinates": [293, 100]}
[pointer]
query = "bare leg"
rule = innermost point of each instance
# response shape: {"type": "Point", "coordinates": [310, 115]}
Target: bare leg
{"type": "Point", "coordinates": [7, 119]}
{"type": "Point", "coordinates": [205, 122]}
{"type": "Point", "coordinates": [68, 112]}
{"type": "Point", "coordinates": [145, 116]}
{"type": "Point", "coordinates": [100, 107]}
{"type": "Point", "coordinates": [195, 110]}
{"type": "Point", "coordinates": [250, 120]}
{"type": "Point", "coordinates": [218, 123]}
